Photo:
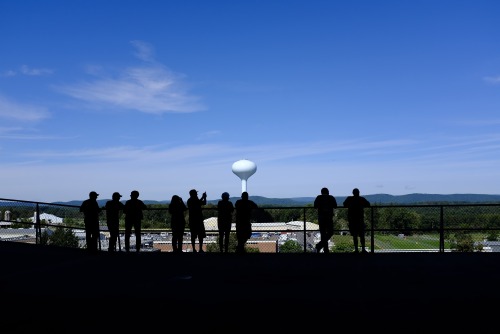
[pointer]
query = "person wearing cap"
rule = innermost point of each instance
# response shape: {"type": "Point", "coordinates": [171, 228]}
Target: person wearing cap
{"type": "Point", "coordinates": [91, 210]}
{"type": "Point", "coordinates": [225, 209]}
{"type": "Point", "coordinates": [133, 211]}
{"type": "Point", "coordinates": [113, 208]}
{"type": "Point", "coordinates": [196, 224]}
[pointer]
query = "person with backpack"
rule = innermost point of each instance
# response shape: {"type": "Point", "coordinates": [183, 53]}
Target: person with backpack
{"type": "Point", "coordinates": [244, 208]}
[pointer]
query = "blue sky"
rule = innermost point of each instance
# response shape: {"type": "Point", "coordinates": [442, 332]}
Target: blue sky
{"type": "Point", "coordinates": [392, 97]}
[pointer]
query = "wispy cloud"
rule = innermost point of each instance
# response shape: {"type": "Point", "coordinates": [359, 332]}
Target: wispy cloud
{"type": "Point", "coordinates": [209, 134]}
{"type": "Point", "coordinates": [149, 88]}
{"type": "Point", "coordinates": [21, 112]}
{"type": "Point", "coordinates": [26, 70]}
{"type": "Point", "coordinates": [8, 73]}
{"type": "Point", "coordinates": [35, 71]}
{"type": "Point", "coordinates": [144, 51]}
{"type": "Point", "coordinates": [478, 122]}
{"type": "Point", "coordinates": [493, 80]}
{"type": "Point", "coordinates": [364, 150]}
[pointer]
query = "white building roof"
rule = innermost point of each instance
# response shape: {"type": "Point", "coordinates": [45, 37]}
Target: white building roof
{"type": "Point", "coordinates": [49, 218]}
{"type": "Point", "coordinates": [211, 225]}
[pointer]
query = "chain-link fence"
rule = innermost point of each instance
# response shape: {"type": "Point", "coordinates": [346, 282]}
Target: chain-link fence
{"type": "Point", "coordinates": [389, 228]}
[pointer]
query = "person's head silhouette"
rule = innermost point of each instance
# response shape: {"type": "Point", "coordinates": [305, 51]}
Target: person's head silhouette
{"type": "Point", "coordinates": [355, 192]}
{"type": "Point", "coordinates": [324, 191]}
{"type": "Point", "coordinates": [134, 194]}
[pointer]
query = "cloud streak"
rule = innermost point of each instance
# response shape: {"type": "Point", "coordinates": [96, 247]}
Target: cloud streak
{"type": "Point", "coordinates": [458, 150]}
{"type": "Point", "coordinates": [11, 110]}
{"type": "Point", "coordinates": [35, 71]}
{"type": "Point", "coordinates": [150, 88]}
{"type": "Point", "coordinates": [493, 80]}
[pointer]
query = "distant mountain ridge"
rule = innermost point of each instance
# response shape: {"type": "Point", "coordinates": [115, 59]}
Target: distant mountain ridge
{"type": "Point", "coordinates": [381, 199]}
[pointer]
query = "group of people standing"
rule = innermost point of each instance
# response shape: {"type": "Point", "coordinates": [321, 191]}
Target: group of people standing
{"type": "Point", "coordinates": [242, 207]}
{"type": "Point", "coordinates": [326, 205]}
{"type": "Point", "coordinates": [133, 210]}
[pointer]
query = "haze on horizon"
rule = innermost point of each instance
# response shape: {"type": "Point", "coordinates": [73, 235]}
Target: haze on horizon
{"type": "Point", "coordinates": [389, 96]}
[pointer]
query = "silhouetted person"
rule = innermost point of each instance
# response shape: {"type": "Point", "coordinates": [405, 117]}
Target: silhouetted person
{"type": "Point", "coordinates": [196, 225]}
{"type": "Point", "coordinates": [91, 210]}
{"type": "Point", "coordinates": [133, 218]}
{"type": "Point", "coordinates": [177, 209]}
{"type": "Point", "coordinates": [114, 209]}
{"type": "Point", "coordinates": [225, 209]}
{"type": "Point", "coordinates": [326, 205]}
{"type": "Point", "coordinates": [355, 205]}
{"type": "Point", "coordinates": [244, 208]}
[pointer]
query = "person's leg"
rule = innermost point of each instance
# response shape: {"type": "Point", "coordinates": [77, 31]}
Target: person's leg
{"type": "Point", "coordinates": [91, 242]}
{"type": "Point", "coordinates": [355, 241]}
{"type": "Point", "coordinates": [354, 235]}
{"type": "Point", "coordinates": [113, 237]}
{"type": "Point", "coordinates": [328, 236]}
{"type": "Point", "coordinates": [112, 242]}
{"type": "Point", "coordinates": [193, 241]}
{"type": "Point", "coordinates": [322, 231]}
{"type": "Point", "coordinates": [362, 238]}
{"type": "Point", "coordinates": [226, 241]}
{"type": "Point", "coordinates": [239, 245]}
{"type": "Point", "coordinates": [90, 236]}
{"type": "Point", "coordinates": [180, 241]}
{"type": "Point", "coordinates": [200, 239]}
{"type": "Point", "coordinates": [94, 237]}
{"type": "Point", "coordinates": [221, 241]}
{"type": "Point", "coordinates": [128, 232]}
{"type": "Point", "coordinates": [174, 242]}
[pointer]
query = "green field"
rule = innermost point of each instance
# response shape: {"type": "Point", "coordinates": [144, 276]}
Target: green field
{"type": "Point", "coordinates": [344, 243]}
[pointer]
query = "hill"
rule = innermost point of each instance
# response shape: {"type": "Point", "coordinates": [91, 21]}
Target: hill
{"type": "Point", "coordinates": [380, 199]}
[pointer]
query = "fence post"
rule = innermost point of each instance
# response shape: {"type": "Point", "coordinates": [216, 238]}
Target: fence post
{"type": "Point", "coordinates": [305, 231]}
{"type": "Point", "coordinates": [372, 237]}
{"type": "Point", "coordinates": [441, 230]}
{"type": "Point", "coordinates": [38, 230]}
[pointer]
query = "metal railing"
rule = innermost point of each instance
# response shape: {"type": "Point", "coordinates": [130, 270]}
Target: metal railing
{"type": "Point", "coordinates": [389, 228]}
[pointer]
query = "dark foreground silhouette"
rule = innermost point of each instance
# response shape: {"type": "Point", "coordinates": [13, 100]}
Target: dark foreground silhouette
{"type": "Point", "coordinates": [47, 288]}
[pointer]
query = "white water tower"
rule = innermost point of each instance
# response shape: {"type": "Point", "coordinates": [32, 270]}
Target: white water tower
{"type": "Point", "coordinates": [244, 169]}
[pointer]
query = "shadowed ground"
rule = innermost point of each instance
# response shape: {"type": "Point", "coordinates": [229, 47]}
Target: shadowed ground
{"type": "Point", "coordinates": [61, 290]}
